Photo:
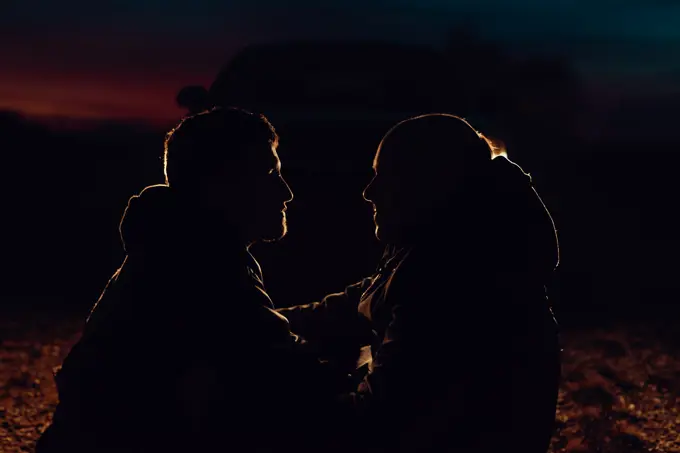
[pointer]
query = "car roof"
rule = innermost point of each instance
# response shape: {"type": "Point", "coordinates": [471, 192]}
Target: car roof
{"type": "Point", "coordinates": [341, 76]}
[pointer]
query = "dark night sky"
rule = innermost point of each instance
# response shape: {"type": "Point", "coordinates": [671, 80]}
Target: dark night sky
{"type": "Point", "coordinates": [127, 58]}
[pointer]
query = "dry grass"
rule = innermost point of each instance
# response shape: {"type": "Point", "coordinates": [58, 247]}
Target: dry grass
{"type": "Point", "coordinates": [619, 394]}
{"type": "Point", "coordinates": [29, 350]}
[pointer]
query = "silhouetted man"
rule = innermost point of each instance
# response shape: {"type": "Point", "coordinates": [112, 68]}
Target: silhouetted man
{"type": "Point", "coordinates": [184, 351]}
{"type": "Point", "coordinates": [465, 355]}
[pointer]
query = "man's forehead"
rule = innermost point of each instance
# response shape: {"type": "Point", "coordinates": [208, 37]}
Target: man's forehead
{"type": "Point", "coordinates": [261, 154]}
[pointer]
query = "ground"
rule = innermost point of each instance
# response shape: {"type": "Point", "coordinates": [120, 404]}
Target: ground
{"type": "Point", "coordinates": [620, 390]}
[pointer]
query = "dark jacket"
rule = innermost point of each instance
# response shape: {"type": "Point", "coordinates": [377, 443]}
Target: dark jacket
{"type": "Point", "coordinates": [465, 354]}
{"type": "Point", "coordinates": [160, 367]}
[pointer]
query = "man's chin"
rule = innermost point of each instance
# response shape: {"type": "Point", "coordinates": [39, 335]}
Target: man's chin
{"type": "Point", "coordinates": [276, 234]}
{"type": "Point", "coordinates": [381, 235]}
{"type": "Point", "coordinates": [387, 235]}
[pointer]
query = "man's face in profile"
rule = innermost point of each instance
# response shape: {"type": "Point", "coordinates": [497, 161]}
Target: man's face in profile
{"type": "Point", "coordinates": [255, 194]}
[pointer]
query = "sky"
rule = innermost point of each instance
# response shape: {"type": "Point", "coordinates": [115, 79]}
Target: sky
{"type": "Point", "coordinates": [123, 59]}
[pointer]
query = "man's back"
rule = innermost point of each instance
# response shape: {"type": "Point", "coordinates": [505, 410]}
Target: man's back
{"type": "Point", "coordinates": [130, 380]}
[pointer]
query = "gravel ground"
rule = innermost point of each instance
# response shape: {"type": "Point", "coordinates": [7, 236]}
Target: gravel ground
{"type": "Point", "coordinates": [619, 392]}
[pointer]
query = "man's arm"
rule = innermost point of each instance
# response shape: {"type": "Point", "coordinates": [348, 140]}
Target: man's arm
{"type": "Point", "coordinates": [333, 318]}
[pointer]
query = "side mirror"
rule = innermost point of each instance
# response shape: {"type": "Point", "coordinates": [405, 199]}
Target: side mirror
{"type": "Point", "coordinates": [193, 98]}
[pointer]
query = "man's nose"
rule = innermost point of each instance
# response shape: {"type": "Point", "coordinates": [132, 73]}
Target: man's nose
{"type": "Point", "coordinates": [368, 191]}
{"type": "Point", "coordinates": [287, 193]}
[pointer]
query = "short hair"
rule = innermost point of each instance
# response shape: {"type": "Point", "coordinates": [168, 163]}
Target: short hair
{"type": "Point", "coordinates": [201, 142]}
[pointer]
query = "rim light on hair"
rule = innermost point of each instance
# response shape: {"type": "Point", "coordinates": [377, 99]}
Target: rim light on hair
{"type": "Point", "coordinates": [496, 146]}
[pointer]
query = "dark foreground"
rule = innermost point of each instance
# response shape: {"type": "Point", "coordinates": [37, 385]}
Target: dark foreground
{"type": "Point", "coordinates": [620, 390]}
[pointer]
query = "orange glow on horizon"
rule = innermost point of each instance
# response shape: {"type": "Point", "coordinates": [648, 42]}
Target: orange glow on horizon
{"type": "Point", "coordinates": [96, 73]}
{"type": "Point", "coordinates": [86, 97]}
